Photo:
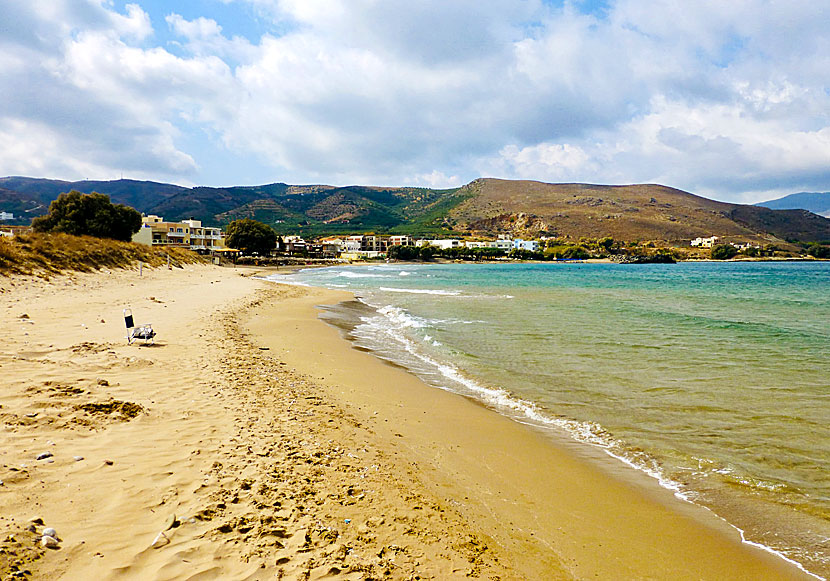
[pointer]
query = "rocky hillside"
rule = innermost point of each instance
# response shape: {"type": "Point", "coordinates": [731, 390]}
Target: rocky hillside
{"type": "Point", "coordinates": [636, 212]}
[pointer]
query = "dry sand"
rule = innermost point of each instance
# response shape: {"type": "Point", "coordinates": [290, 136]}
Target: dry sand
{"type": "Point", "coordinates": [252, 442]}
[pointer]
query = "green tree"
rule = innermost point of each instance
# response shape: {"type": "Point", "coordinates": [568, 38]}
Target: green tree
{"type": "Point", "coordinates": [818, 250]}
{"type": "Point", "coordinates": [723, 252]}
{"type": "Point", "coordinates": [251, 236]}
{"type": "Point", "coordinates": [89, 215]}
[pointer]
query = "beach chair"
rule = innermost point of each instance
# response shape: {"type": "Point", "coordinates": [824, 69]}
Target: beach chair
{"type": "Point", "coordinates": [138, 332]}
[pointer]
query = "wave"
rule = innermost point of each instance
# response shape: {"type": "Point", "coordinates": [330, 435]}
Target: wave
{"type": "Point", "coordinates": [382, 332]}
{"type": "Point", "coordinates": [416, 291]}
{"type": "Point", "coordinates": [350, 274]}
{"type": "Point", "coordinates": [400, 317]}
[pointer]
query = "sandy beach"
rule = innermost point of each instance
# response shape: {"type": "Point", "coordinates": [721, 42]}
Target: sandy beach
{"type": "Point", "coordinates": [253, 442]}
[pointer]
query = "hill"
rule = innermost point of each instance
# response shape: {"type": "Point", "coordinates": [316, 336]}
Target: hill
{"type": "Point", "coordinates": [483, 207]}
{"type": "Point", "coordinates": [816, 202]}
{"type": "Point", "coordinates": [314, 209]}
{"type": "Point", "coordinates": [137, 194]}
{"type": "Point", "coordinates": [633, 212]}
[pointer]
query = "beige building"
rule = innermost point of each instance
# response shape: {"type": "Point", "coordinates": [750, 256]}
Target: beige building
{"type": "Point", "coordinates": [191, 234]}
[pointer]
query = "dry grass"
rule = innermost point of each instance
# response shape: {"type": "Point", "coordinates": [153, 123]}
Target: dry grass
{"type": "Point", "coordinates": [629, 213]}
{"type": "Point", "coordinates": [46, 254]}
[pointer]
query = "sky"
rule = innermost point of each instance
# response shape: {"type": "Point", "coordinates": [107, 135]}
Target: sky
{"type": "Point", "coordinates": [728, 100]}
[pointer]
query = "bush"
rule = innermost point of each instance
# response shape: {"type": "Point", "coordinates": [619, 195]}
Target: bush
{"type": "Point", "coordinates": [251, 236]}
{"type": "Point", "coordinates": [724, 252]}
{"type": "Point", "coordinates": [89, 215]}
{"type": "Point", "coordinates": [818, 250]}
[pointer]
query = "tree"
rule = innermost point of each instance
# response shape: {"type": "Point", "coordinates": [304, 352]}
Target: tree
{"type": "Point", "coordinates": [251, 236]}
{"type": "Point", "coordinates": [89, 215]}
{"type": "Point", "coordinates": [724, 252]}
{"type": "Point", "coordinates": [817, 250]}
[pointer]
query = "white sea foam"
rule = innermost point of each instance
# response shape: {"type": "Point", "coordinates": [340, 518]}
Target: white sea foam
{"type": "Point", "coordinates": [352, 274]}
{"type": "Point", "coordinates": [283, 279]}
{"type": "Point", "coordinates": [417, 291]}
{"type": "Point", "coordinates": [405, 273]}
{"type": "Point", "coordinates": [386, 330]}
{"type": "Point", "coordinates": [399, 316]}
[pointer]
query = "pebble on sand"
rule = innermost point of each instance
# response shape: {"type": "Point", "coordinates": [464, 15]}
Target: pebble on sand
{"type": "Point", "coordinates": [49, 542]}
{"type": "Point", "coordinates": [160, 540]}
{"type": "Point", "coordinates": [171, 522]}
{"type": "Point", "coordinates": [50, 532]}
{"type": "Point", "coordinates": [44, 455]}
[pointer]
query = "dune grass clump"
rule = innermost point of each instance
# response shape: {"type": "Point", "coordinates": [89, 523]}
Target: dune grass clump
{"type": "Point", "coordinates": [43, 254]}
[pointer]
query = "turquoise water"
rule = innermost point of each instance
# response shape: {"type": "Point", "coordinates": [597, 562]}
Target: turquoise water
{"type": "Point", "coordinates": [712, 377]}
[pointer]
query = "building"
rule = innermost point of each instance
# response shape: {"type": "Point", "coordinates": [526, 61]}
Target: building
{"type": "Point", "coordinates": [203, 238]}
{"type": "Point", "coordinates": [505, 244]}
{"type": "Point", "coordinates": [191, 234]}
{"type": "Point", "coordinates": [403, 240]}
{"type": "Point", "coordinates": [529, 245]}
{"type": "Point", "coordinates": [705, 242]}
{"type": "Point", "coordinates": [443, 244]}
{"type": "Point", "coordinates": [293, 245]}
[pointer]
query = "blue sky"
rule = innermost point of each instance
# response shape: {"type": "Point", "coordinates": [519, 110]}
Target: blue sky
{"type": "Point", "coordinates": [726, 100]}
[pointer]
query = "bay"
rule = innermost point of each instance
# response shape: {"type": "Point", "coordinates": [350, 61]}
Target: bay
{"type": "Point", "coordinates": [712, 377]}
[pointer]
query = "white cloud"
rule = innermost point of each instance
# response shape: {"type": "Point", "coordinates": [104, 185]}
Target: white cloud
{"type": "Point", "coordinates": [435, 179]}
{"type": "Point", "coordinates": [726, 99]}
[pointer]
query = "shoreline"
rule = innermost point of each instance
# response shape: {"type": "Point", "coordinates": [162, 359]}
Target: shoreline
{"type": "Point", "coordinates": [440, 450]}
{"type": "Point", "coordinates": [796, 538]}
{"type": "Point", "coordinates": [252, 441]}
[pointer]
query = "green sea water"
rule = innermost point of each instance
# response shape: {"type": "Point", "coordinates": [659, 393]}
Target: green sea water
{"type": "Point", "coordinates": [712, 377]}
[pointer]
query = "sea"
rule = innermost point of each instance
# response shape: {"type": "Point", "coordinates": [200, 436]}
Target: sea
{"type": "Point", "coordinates": [713, 378]}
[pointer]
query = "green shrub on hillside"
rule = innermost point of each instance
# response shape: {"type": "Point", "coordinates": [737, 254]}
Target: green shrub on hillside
{"type": "Point", "coordinates": [818, 250]}
{"type": "Point", "coordinates": [724, 252]}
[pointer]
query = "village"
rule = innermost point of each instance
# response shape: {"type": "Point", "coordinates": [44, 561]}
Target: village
{"type": "Point", "coordinates": [192, 234]}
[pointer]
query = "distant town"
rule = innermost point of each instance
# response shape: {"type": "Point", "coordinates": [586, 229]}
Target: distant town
{"type": "Point", "coordinates": [192, 234]}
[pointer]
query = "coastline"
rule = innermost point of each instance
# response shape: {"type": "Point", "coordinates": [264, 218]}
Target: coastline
{"type": "Point", "coordinates": [252, 441]}
{"type": "Point", "coordinates": [546, 504]}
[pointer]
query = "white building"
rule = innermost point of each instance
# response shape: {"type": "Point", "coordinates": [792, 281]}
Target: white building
{"type": "Point", "coordinates": [505, 244]}
{"type": "Point", "coordinates": [446, 244]}
{"type": "Point", "coordinates": [705, 242]}
{"type": "Point", "coordinates": [529, 245]}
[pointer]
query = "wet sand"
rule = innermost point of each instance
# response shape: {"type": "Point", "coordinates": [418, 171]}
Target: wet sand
{"type": "Point", "coordinates": [252, 442]}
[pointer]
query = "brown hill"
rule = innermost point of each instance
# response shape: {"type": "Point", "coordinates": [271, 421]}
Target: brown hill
{"type": "Point", "coordinates": [632, 212]}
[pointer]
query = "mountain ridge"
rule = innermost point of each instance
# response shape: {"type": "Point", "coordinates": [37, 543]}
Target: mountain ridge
{"type": "Point", "coordinates": [816, 202]}
{"type": "Point", "coordinates": [484, 207]}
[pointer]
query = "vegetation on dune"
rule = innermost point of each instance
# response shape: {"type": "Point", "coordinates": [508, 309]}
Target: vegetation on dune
{"type": "Point", "coordinates": [44, 254]}
{"type": "Point", "coordinates": [89, 215]}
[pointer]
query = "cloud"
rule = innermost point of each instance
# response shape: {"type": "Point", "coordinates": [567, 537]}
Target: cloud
{"type": "Point", "coordinates": [725, 99]}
